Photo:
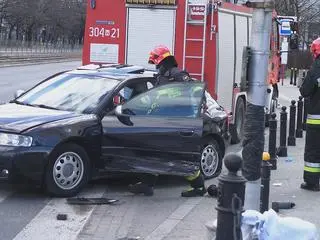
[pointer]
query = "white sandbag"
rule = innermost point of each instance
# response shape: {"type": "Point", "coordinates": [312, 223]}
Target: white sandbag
{"type": "Point", "coordinates": [269, 226]}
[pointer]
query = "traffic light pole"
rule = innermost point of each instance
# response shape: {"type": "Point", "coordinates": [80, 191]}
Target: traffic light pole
{"type": "Point", "coordinates": [253, 143]}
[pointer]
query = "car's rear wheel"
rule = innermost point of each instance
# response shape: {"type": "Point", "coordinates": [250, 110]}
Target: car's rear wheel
{"type": "Point", "coordinates": [68, 170]}
{"type": "Point", "coordinates": [211, 158]}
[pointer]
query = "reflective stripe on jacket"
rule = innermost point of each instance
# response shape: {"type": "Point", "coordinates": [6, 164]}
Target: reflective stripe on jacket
{"type": "Point", "coordinates": [313, 119]}
{"type": "Point", "coordinates": [312, 167]}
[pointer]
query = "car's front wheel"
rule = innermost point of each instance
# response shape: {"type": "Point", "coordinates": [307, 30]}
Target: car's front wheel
{"type": "Point", "coordinates": [211, 158]}
{"type": "Point", "coordinates": [68, 170]}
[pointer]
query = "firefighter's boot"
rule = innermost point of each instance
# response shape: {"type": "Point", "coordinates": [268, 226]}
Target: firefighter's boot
{"type": "Point", "coordinates": [310, 187]}
{"type": "Point", "coordinates": [141, 188]}
{"type": "Point", "coordinates": [197, 186]}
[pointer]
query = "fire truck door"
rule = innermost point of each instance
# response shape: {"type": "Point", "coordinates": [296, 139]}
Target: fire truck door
{"type": "Point", "coordinates": [147, 28]}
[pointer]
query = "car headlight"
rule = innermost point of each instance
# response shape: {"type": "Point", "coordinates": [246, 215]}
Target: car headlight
{"type": "Point", "coordinates": [15, 140]}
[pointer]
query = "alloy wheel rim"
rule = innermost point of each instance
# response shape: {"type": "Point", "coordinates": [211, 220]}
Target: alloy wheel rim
{"type": "Point", "coordinates": [209, 160]}
{"type": "Point", "coordinates": [68, 170]}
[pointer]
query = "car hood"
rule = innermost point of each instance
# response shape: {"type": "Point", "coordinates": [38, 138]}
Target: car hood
{"type": "Point", "coordinates": [19, 118]}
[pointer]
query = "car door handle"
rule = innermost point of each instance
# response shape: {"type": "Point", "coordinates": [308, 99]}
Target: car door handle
{"type": "Point", "coordinates": [187, 133]}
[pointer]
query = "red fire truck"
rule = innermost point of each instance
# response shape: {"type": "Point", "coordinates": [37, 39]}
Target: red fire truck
{"type": "Point", "coordinates": [206, 37]}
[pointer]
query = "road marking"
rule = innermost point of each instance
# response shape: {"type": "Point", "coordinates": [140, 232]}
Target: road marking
{"type": "Point", "coordinates": [46, 226]}
{"type": "Point", "coordinates": [170, 223]}
{"type": "Point", "coordinates": [126, 222]}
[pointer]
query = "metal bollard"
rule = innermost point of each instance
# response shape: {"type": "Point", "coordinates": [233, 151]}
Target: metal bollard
{"type": "Point", "coordinates": [273, 141]}
{"type": "Point", "coordinates": [306, 102]}
{"type": "Point", "coordinates": [295, 76]}
{"type": "Point", "coordinates": [291, 76]}
{"type": "Point", "coordinates": [292, 124]}
{"type": "Point", "coordinates": [231, 190]}
{"type": "Point", "coordinates": [282, 150]}
{"type": "Point", "coordinates": [299, 131]}
{"type": "Point", "coordinates": [265, 182]}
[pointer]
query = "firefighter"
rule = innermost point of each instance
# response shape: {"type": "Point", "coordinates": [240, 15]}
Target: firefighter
{"type": "Point", "coordinates": [168, 72]}
{"type": "Point", "coordinates": [310, 88]}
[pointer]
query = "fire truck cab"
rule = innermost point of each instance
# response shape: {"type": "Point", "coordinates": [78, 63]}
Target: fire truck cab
{"type": "Point", "coordinates": [206, 37]}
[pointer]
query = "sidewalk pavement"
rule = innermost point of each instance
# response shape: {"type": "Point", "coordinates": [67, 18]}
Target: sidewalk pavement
{"type": "Point", "coordinates": [189, 216]}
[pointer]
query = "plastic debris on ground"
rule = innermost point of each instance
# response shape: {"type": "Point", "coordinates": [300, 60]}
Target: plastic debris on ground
{"type": "Point", "coordinates": [269, 226]}
{"type": "Point", "coordinates": [289, 159]}
{"type": "Point", "coordinates": [277, 184]}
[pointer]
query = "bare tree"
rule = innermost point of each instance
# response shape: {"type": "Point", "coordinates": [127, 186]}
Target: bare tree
{"type": "Point", "coordinates": [306, 11]}
{"type": "Point", "coordinates": [44, 20]}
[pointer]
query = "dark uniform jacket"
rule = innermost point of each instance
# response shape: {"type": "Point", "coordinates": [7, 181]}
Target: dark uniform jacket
{"type": "Point", "coordinates": [311, 88]}
{"type": "Point", "coordinates": [173, 74]}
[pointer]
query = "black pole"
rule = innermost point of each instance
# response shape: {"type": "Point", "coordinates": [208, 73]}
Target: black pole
{"type": "Point", "coordinates": [291, 76]}
{"type": "Point", "coordinates": [273, 140]}
{"type": "Point", "coordinates": [295, 77]}
{"type": "Point", "coordinates": [305, 112]}
{"type": "Point", "coordinates": [282, 150]}
{"type": "Point", "coordinates": [292, 124]}
{"type": "Point", "coordinates": [231, 190]}
{"type": "Point", "coordinates": [299, 131]}
{"type": "Point", "coordinates": [265, 182]}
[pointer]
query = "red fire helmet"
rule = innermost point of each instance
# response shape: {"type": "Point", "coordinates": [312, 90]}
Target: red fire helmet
{"type": "Point", "coordinates": [158, 54]}
{"type": "Point", "coordinates": [315, 48]}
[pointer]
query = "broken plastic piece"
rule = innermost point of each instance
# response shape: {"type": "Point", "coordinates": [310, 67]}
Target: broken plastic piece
{"type": "Point", "coordinates": [62, 216]}
{"type": "Point", "coordinates": [88, 201]}
{"type": "Point", "coordinates": [277, 184]}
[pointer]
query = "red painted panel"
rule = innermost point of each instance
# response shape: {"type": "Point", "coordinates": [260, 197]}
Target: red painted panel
{"type": "Point", "coordinates": [179, 38]}
{"type": "Point", "coordinates": [211, 56]}
{"type": "Point", "coordinates": [194, 66]}
{"type": "Point", "coordinates": [105, 24]}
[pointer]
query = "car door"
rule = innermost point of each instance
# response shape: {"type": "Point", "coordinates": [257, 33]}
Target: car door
{"type": "Point", "coordinates": [158, 131]}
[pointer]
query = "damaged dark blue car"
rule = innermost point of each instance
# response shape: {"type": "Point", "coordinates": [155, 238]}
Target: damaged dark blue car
{"type": "Point", "coordinates": [85, 123]}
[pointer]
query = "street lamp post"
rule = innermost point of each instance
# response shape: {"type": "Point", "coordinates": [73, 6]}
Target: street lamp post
{"type": "Point", "coordinates": [253, 143]}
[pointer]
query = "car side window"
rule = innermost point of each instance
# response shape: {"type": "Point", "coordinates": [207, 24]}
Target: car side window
{"type": "Point", "coordinates": [131, 91]}
{"type": "Point", "coordinates": [173, 100]}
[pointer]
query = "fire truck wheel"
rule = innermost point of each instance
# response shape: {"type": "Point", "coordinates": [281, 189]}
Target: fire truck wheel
{"type": "Point", "coordinates": [211, 158]}
{"type": "Point", "coordinates": [236, 129]}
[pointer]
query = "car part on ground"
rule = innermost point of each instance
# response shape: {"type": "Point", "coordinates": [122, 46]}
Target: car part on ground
{"type": "Point", "coordinates": [90, 201]}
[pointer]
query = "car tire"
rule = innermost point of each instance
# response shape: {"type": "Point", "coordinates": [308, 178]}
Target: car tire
{"type": "Point", "coordinates": [68, 171]}
{"type": "Point", "coordinates": [211, 158]}
{"type": "Point", "coordinates": [237, 128]}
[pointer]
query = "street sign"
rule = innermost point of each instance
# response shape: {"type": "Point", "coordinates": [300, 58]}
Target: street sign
{"type": "Point", "coordinates": [285, 29]}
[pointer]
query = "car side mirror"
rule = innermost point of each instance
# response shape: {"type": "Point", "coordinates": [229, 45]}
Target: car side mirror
{"type": "Point", "coordinates": [18, 93]}
{"type": "Point", "coordinates": [125, 119]}
{"type": "Point", "coordinates": [118, 110]}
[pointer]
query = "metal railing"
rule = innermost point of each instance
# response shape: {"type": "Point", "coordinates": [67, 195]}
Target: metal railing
{"type": "Point", "coordinates": [19, 48]}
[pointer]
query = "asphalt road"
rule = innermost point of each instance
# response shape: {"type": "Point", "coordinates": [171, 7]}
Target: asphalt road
{"type": "Point", "coordinates": [24, 77]}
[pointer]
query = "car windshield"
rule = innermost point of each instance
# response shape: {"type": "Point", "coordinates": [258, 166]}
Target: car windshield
{"type": "Point", "coordinates": [69, 92]}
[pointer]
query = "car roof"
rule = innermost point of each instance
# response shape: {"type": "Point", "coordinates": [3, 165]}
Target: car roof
{"type": "Point", "coordinates": [115, 71]}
